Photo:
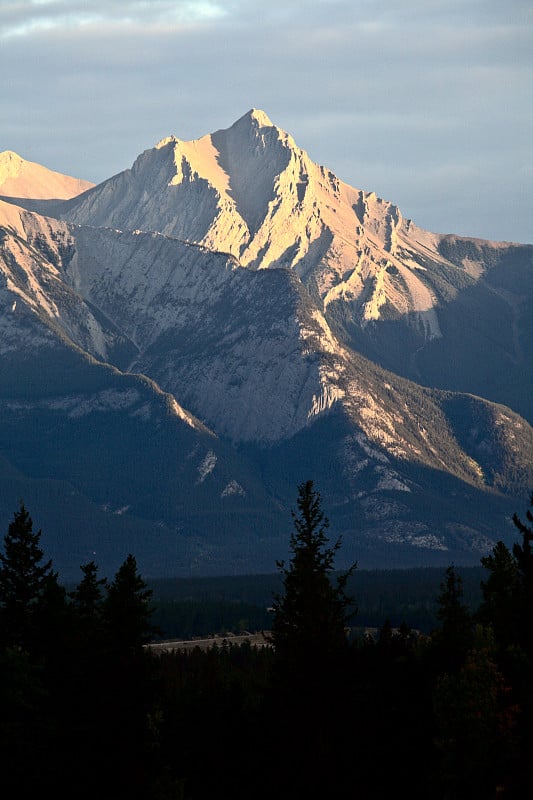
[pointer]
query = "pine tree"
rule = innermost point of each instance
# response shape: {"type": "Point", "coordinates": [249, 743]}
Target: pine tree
{"type": "Point", "coordinates": [88, 595]}
{"type": "Point", "coordinates": [474, 724]}
{"type": "Point", "coordinates": [508, 592]}
{"type": "Point", "coordinates": [453, 637]}
{"type": "Point", "coordinates": [507, 607]}
{"type": "Point", "coordinates": [127, 692]}
{"type": "Point", "coordinates": [523, 554]}
{"type": "Point", "coordinates": [87, 605]}
{"type": "Point", "coordinates": [25, 581]}
{"type": "Point", "coordinates": [311, 655]}
{"type": "Point", "coordinates": [33, 625]}
{"type": "Point", "coordinates": [310, 617]}
{"type": "Point", "coordinates": [499, 606]}
{"type": "Point", "coordinates": [127, 609]}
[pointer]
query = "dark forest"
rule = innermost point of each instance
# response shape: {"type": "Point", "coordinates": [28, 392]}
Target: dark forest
{"type": "Point", "coordinates": [435, 701]}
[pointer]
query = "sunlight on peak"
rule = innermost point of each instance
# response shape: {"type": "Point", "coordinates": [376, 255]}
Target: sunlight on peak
{"type": "Point", "coordinates": [166, 140]}
{"type": "Point", "coordinates": [260, 116]}
{"type": "Point", "coordinates": [10, 165]}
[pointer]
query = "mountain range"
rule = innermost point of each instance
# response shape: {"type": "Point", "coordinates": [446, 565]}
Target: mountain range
{"type": "Point", "coordinates": [184, 343]}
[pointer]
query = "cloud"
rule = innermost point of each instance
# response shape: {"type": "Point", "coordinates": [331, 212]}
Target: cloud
{"type": "Point", "coordinates": [37, 16]}
{"type": "Point", "coordinates": [427, 103]}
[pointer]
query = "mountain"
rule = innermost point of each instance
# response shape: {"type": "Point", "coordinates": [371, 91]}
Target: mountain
{"type": "Point", "coordinates": [404, 297]}
{"type": "Point", "coordinates": [21, 178]}
{"type": "Point", "coordinates": [227, 319]}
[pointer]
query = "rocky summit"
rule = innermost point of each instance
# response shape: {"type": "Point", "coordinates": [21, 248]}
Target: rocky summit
{"type": "Point", "coordinates": [184, 343]}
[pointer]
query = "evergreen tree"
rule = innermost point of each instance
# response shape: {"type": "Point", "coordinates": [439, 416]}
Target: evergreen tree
{"type": "Point", "coordinates": [311, 655]}
{"type": "Point", "coordinates": [475, 722]}
{"type": "Point", "coordinates": [453, 637]}
{"type": "Point", "coordinates": [499, 605]}
{"type": "Point", "coordinates": [123, 748]}
{"type": "Point", "coordinates": [87, 601]}
{"type": "Point", "coordinates": [523, 554]}
{"type": "Point", "coordinates": [24, 581]}
{"type": "Point", "coordinates": [34, 628]}
{"type": "Point", "coordinates": [310, 617]}
{"type": "Point", "coordinates": [127, 609]}
{"type": "Point", "coordinates": [88, 595]}
{"type": "Point", "coordinates": [522, 651]}
{"type": "Point", "coordinates": [507, 602]}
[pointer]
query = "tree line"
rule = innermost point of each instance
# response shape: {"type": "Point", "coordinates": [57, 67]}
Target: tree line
{"type": "Point", "coordinates": [89, 710]}
{"type": "Point", "coordinates": [186, 607]}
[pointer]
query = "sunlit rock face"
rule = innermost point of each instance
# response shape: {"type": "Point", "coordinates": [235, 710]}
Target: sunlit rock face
{"type": "Point", "coordinates": [251, 192]}
{"type": "Point", "coordinates": [236, 311]}
{"type": "Point", "coordinates": [25, 179]}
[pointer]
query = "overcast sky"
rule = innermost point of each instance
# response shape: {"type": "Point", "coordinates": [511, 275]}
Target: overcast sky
{"type": "Point", "coordinates": [429, 103]}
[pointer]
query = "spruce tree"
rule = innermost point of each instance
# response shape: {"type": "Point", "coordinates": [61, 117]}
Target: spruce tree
{"type": "Point", "coordinates": [508, 591]}
{"type": "Point", "coordinates": [507, 606]}
{"type": "Point", "coordinates": [499, 606]}
{"type": "Point", "coordinates": [523, 684]}
{"type": "Point", "coordinates": [87, 601]}
{"type": "Point", "coordinates": [453, 637]}
{"type": "Point", "coordinates": [127, 609]}
{"type": "Point", "coordinates": [311, 615]}
{"type": "Point", "coordinates": [25, 581]}
{"type": "Point", "coordinates": [523, 554]}
{"type": "Point", "coordinates": [88, 595]}
{"type": "Point", "coordinates": [311, 656]}
{"type": "Point", "coordinates": [32, 635]}
{"type": "Point", "coordinates": [128, 689]}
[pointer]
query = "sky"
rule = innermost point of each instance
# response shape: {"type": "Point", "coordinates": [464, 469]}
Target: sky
{"type": "Point", "coordinates": [428, 103]}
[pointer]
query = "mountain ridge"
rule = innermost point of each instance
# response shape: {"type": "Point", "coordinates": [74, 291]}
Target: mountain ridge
{"type": "Point", "coordinates": [18, 177]}
{"type": "Point", "coordinates": [301, 324]}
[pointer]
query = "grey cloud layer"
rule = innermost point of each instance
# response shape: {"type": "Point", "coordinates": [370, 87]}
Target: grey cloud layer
{"type": "Point", "coordinates": [25, 18]}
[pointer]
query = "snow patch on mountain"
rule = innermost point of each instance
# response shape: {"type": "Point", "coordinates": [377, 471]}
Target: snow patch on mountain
{"type": "Point", "coordinates": [415, 535]}
{"type": "Point", "coordinates": [390, 481]}
{"type": "Point", "coordinates": [207, 465]}
{"type": "Point", "coordinates": [233, 488]}
{"type": "Point", "coordinates": [104, 401]}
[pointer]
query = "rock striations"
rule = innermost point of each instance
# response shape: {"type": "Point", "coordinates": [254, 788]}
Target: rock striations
{"type": "Point", "coordinates": [185, 342]}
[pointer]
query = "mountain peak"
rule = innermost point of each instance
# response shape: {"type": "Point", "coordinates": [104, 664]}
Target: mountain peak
{"type": "Point", "coordinates": [10, 165]}
{"type": "Point", "coordinates": [259, 116]}
{"type": "Point", "coordinates": [254, 120]}
{"type": "Point", "coordinates": [255, 117]}
{"type": "Point", "coordinates": [21, 178]}
{"type": "Point", "coordinates": [166, 140]}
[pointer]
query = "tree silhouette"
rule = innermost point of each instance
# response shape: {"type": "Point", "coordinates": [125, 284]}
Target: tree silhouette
{"type": "Point", "coordinates": [311, 615]}
{"type": "Point", "coordinates": [523, 554]}
{"type": "Point", "coordinates": [453, 637]}
{"type": "Point", "coordinates": [507, 602]}
{"type": "Point", "coordinates": [498, 607]}
{"type": "Point", "coordinates": [311, 655]}
{"type": "Point", "coordinates": [127, 609]}
{"type": "Point", "coordinates": [25, 581]}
